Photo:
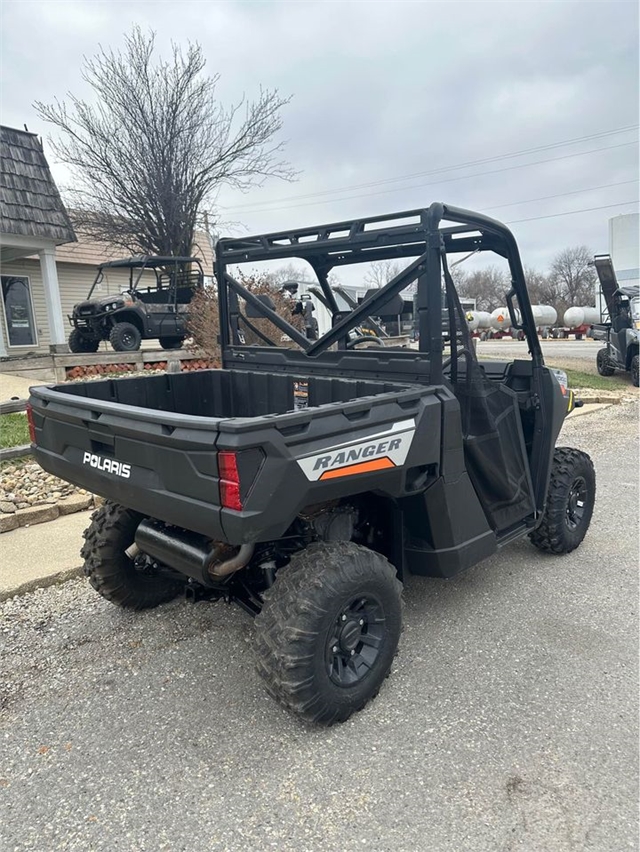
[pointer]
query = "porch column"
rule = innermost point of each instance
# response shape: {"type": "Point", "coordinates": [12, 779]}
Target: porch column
{"type": "Point", "coordinates": [52, 298]}
{"type": "Point", "coordinates": [3, 329]}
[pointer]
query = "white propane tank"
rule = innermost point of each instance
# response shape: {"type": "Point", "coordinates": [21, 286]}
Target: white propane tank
{"type": "Point", "coordinates": [544, 315]}
{"type": "Point", "coordinates": [478, 320]}
{"type": "Point", "coordinates": [500, 319]}
{"type": "Point", "coordinates": [484, 319]}
{"type": "Point", "coordinates": [575, 317]}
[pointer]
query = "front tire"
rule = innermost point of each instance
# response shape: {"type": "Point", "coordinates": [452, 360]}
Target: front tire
{"type": "Point", "coordinates": [79, 343]}
{"type": "Point", "coordinates": [603, 363]}
{"type": "Point", "coordinates": [111, 572]}
{"type": "Point", "coordinates": [125, 337]}
{"type": "Point", "coordinates": [328, 631]}
{"type": "Point", "coordinates": [635, 366]}
{"type": "Point", "coordinates": [570, 501]}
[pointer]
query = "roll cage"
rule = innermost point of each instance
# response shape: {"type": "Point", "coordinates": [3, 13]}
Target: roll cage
{"type": "Point", "coordinates": [169, 271]}
{"type": "Point", "coordinates": [428, 235]}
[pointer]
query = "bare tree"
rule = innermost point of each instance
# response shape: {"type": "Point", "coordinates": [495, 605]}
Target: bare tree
{"type": "Point", "coordinates": [572, 277]}
{"type": "Point", "coordinates": [542, 291]}
{"type": "Point", "coordinates": [290, 272]}
{"type": "Point", "coordinates": [150, 153]}
{"type": "Point", "coordinates": [380, 272]}
{"type": "Point", "coordinates": [487, 286]}
{"type": "Point", "coordinates": [204, 318]}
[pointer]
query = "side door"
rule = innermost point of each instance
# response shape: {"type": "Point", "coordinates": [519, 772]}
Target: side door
{"type": "Point", "coordinates": [162, 311]}
{"type": "Point", "coordinates": [495, 444]}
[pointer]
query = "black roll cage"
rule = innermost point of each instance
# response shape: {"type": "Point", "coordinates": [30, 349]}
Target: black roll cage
{"type": "Point", "coordinates": [142, 263]}
{"type": "Point", "coordinates": [378, 238]}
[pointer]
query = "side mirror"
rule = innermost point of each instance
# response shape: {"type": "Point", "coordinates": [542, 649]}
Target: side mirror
{"type": "Point", "coordinates": [254, 313]}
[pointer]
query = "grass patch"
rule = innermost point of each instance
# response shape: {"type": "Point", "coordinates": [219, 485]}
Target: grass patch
{"type": "Point", "coordinates": [14, 430]}
{"type": "Point", "coordinates": [578, 379]}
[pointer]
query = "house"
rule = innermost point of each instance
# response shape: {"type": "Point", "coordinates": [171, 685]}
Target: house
{"type": "Point", "coordinates": [34, 311]}
{"type": "Point", "coordinates": [33, 222]}
{"type": "Point", "coordinates": [77, 268]}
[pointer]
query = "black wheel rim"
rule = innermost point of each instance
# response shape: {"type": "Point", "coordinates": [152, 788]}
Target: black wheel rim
{"type": "Point", "coordinates": [577, 503]}
{"type": "Point", "coordinates": [128, 340]}
{"type": "Point", "coordinates": [355, 640]}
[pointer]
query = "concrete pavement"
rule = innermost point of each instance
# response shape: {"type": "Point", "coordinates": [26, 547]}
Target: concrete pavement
{"type": "Point", "coordinates": [39, 556]}
{"type": "Point", "coordinates": [11, 386]}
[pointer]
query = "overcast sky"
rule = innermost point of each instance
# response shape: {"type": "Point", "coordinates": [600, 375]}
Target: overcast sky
{"type": "Point", "coordinates": [385, 93]}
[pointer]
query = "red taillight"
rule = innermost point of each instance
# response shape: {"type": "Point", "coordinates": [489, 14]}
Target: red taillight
{"type": "Point", "coordinates": [32, 428]}
{"type": "Point", "coordinates": [230, 497]}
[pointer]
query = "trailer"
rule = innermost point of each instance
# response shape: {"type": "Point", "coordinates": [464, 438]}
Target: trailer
{"type": "Point", "coordinates": [577, 321]}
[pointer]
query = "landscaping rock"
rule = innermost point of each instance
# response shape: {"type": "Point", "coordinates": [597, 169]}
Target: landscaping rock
{"type": "Point", "coordinates": [36, 515]}
{"type": "Point", "coordinates": [8, 522]}
{"type": "Point", "coordinates": [7, 507]}
{"type": "Point", "coordinates": [74, 503]}
{"type": "Point", "coordinates": [25, 484]}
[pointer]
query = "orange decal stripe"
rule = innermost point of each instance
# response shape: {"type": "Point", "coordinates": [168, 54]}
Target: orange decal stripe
{"type": "Point", "coordinates": [363, 467]}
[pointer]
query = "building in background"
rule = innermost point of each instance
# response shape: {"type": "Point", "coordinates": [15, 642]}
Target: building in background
{"type": "Point", "coordinates": [33, 222]}
{"type": "Point", "coordinates": [624, 248]}
{"type": "Point", "coordinates": [46, 268]}
{"type": "Point", "coordinates": [76, 265]}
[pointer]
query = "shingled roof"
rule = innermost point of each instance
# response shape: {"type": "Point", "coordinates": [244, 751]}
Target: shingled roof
{"type": "Point", "coordinates": [30, 204]}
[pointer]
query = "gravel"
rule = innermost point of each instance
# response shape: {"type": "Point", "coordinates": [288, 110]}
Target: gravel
{"type": "Point", "coordinates": [24, 483]}
{"type": "Point", "coordinates": [509, 723]}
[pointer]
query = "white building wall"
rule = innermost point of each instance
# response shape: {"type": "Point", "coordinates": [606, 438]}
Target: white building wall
{"type": "Point", "coordinates": [624, 247]}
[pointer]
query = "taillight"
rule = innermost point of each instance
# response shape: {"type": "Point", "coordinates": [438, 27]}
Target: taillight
{"type": "Point", "coordinates": [229, 481]}
{"type": "Point", "coordinates": [32, 428]}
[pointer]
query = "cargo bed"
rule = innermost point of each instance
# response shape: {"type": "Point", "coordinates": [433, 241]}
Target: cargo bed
{"type": "Point", "coordinates": [152, 443]}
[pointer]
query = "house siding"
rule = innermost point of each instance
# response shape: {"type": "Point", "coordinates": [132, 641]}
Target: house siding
{"type": "Point", "coordinates": [74, 279]}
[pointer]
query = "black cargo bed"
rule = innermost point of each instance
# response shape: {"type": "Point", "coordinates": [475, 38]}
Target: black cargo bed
{"type": "Point", "coordinates": [168, 430]}
{"type": "Point", "coordinates": [227, 393]}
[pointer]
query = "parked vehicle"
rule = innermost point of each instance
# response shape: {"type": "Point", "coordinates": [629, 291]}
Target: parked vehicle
{"type": "Point", "coordinates": [155, 305]}
{"type": "Point", "coordinates": [306, 484]}
{"type": "Point", "coordinates": [621, 331]}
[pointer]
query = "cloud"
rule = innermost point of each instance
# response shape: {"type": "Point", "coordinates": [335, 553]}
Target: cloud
{"type": "Point", "coordinates": [390, 88]}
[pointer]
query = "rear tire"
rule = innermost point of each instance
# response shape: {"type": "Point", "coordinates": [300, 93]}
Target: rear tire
{"type": "Point", "coordinates": [125, 337]}
{"type": "Point", "coordinates": [634, 371]}
{"type": "Point", "coordinates": [603, 363]}
{"type": "Point", "coordinates": [570, 501]}
{"type": "Point", "coordinates": [171, 342]}
{"type": "Point", "coordinates": [110, 571]}
{"type": "Point", "coordinates": [328, 631]}
{"type": "Point", "coordinates": [78, 342]}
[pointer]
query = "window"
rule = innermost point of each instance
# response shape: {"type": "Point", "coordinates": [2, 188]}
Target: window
{"type": "Point", "coordinates": [18, 311]}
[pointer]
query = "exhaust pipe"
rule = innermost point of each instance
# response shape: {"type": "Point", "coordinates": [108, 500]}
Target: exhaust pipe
{"type": "Point", "coordinates": [190, 553]}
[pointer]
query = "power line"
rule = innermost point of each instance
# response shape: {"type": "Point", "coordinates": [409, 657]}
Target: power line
{"type": "Point", "coordinates": [445, 180]}
{"type": "Point", "coordinates": [572, 212]}
{"type": "Point", "coordinates": [454, 167]}
{"type": "Point", "coordinates": [561, 194]}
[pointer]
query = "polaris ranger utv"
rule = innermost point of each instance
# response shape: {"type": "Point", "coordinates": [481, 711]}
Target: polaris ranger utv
{"type": "Point", "coordinates": [150, 307]}
{"type": "Point", "coordinates": [305, 484]}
